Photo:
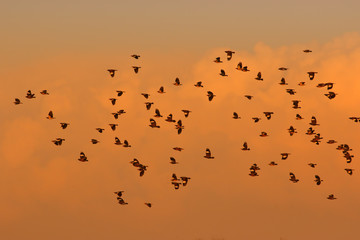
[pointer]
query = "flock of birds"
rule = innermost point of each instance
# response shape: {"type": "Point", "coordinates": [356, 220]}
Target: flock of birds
{"type": "Point", "coordinates": [183, 180]}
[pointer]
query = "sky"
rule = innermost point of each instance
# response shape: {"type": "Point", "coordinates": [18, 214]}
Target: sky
{"type": "Point", "coordinates": [66, 47]}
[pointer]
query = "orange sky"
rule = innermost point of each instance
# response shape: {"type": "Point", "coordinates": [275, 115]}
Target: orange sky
{"type": "Point", "coordinates": [48, 194]}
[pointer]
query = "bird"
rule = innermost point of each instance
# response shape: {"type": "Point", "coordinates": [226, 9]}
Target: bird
{"type": "Point", "coordinates": [299, 117]}
{"type": "Point", "coordinates": [178, 149]}
{"type": "Point", "coordinates": [83, 158]}
{"type": "Point", "coordinates": [210, 95]}
{"type": "Point", "coordinates": [316, 139]}
{"type": "Point", "coordinates": [283, 68]}
{"type": "Point", "coordinates": [50, 115]}
{"type": "Point", "coordinates": [272, 163]}
{"type": "Point", "coordinates": [301, 83]}
{"type": "Point", "coordinates": [179, 126]}
{"type": "Point", "coordinates": [64, 125]}
{"type": "Point", "coordinates": [263, 134]}
{"type": "Point", "coordinates": [126, 144]}
{"type": "Point", "coordinates": [293, 178]}
{"type": "Point", "coordinates": [135, 56]}
{"type": "Point", "coordinates": [148, 204]}
{"type": "Point", "coordinates": [296, 104]}
{"type": "Point", "coordinates": [208, 154]}
{"type": "Point", "coordinates": [173, 160]}
{"type": "Point", "coordinates": [307, 51]}
{"type": "Point", "coordinates": [177, 82]}
{"type": "Point", "coordinates": [356, 119]}
{"type": "Point", "coordinates": [30, 95]}
{"type": "Point", "coordinates": [136, 69]}
{"type": "Point", "coordinates": [310, 131]}
{"type": "Point", "coordinates": [313, 121]}
{"type": "Point", "coordinates": [229, 54]}
{"type": "Point", "coordinates": [185, 180]}
{"type": "Point", "coordinates": [292, 130]}
{"type": "Point", "coordinates": [198, 84]}
{"type": "Point", "coordinates": [331, 141]}
{"type": "Point", "coordinates": [117, 141]}
{"type": "Point", "coordinates": [259, 77]}
{"type": "Point", "coordinates": [119, 193]}
{"type": "Point", "coordinates": [121, 201]}
{"type": "Point", "coordinates": [17, 101]}
{"type": "Point", "coordinates": [58, 141]}
{"type": "Point", "coordinates": [320, 85]}
{"type": "Point", "coordinates": [313, 165]}
{"type": "Point", "coordinates": [112, 72]}
{"type": "Point", "coordinates": [256, 119]}
{"type": "Point", "coordinates": [329, 85]}
{"type": "Point", "coordinates": [330, 95]}
{"type": "Point", "coordinates": [116, 115]}
{"type": "Point", "coordinates": [113, 126]}
{"type": "Point", "coordinates": [94, 141]}
{"type": "Point", "coordinates": [44, 92]}
{"type": "Point", "coordinates": [148, 105]}
{"type": "Point", "coordinates": [239, 66]}
{"type": "Point", "coordinates": [169, 118]}
{"type": "Point", "coordinates": [283, 82]}
{"type": "Point", "coordinates": [100, 130]}
{"type": "Point", "coordinates": [290, 91]}
{"type": "Point", "coordinates": [331, 197]}
{"type": "Point", "coordinates": [253, 173]}
{"type": "Point", "coordinates": [284, 156]}
{"type": "Point", "coordinates": [186, 112]}
{"type": "Point", "coordinates": [248, 97]}
{"type": "Point", "coordinates": [235, 116]}
{"type": "Point", "coordinates": [349, 171]}
{"type": "Point", "coordinates": [113, 100]}
{"type": "Point", "coordinates": [153, 124]}
{"type": "Point", "coordinates": [317, 180]}
{"type": "Point", "coordinates": [268, 115]}
{"type": "Point", "coordinates": [146, 95]}
{"type": "Point", "coordinates": [157, 113]}
{"type": "Point", "coordinates": [217, 60]}
{"type": "Point", "coordinates": [222, 73]}
{"type": "Point", "coordinates": [311, 75]}
{"type": "Point", "coordinates": [245, 147]}
{"type": "Point", "coordinates": [161, 90]}
{"type": "Point", "coordinates": [120, 93]}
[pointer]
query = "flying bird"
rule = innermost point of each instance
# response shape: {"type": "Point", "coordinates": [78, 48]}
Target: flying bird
{"type": "Point", "coordinates": [148, 105]}
{"type": "Point", "coordinates": [313, 121]}
{"type": "Point", "coordinates": [290, 91]}
{"type": "Point", "coordinates": [179, 126]}
{"type": "Point", "coordinates": [283, 82]}
{"type": "Point", "coordinates": [50, 115]}
{"type": "Point", "coordinates": [313, 165]}
{"type": "Point", "coordinates": [198, 84]}
{"type": "Point", "coordinates": [268, 115]}
{"type": "Point", "coordinates": [248, 97]}
{"type": "Point", "coordinates": [222, 73]}
{"type": "Point", "coordinates": [113, 126]}
{"type": "Point", "coordinates": [217, 60]}
{"type": "Point", "coordinates": [100, 130]}
{"type": "Point", "coordinates": [113, 100]}
{"type": "Point", "coordinates": [112, 72]}
{"type": "Point", "coordinates": [30, 95]}
{"type": "Point", "coordinates": [136, 69]}
{"type": "Point", "coordinates": [349, 171]}
{"type": "Point", "coordinates": [311, 75]}
{"type": "Point", "coordinates": [148, 204]}
{"type": "Point", "coordinates": [307, 51]}
{"type": "Point", "coordinates": [64, 125]}
{"type": "Point", "coordinates": [117, 141]}
{"type": "Point", "coordinates": [126, 144]}
{"type": "Point", "coordinates": [256, 119]}
{"type": "Point", "coordinates": [330, 95]}
{"type": "Point", "coordinates": [94, 141]}
{"type": "Point", "coordinates": [283, 68]}
{"type": "Point", "coordinates": [293, 178]}
{"type": "Point", "coordinates": [331, 197]}
{"type": "Point", "coordinates": [245, 147]}
{"type": "Point", "coordinates": [301, 83]}
{"type": "Point", "coordinates": [120, 93]}
{"type": "Point", "coordinates": [83, 158]}
{"type": "Point", "coordinates": [299, 117]}
{"type": "Point", "coordinates": [177, 82]}
{"type": "Point", "coordinates": [178, 149]}
{"type": "Point", "coordinates": [153, 124]}
{"type": "Point", "coordinates": [58, 141]}
{"type": "Point", "coordinates": [169, 118]}
{"type": "Point", "coordinates": [259, 77]}
{"type": "Point", "coordinates": [210, 95]}
{"type": "Point", "coordinates": [135, 56]}
{"type": "Point", "coordinates": [44, 92]}
{"type": "Point", "coordinates": [146, 95]}
{"type": "Point", "coordinates": [229, 54]}
{"type": "Point", "coordinates": [272, 163]}
{"type": "Point", "coordinates": [208, 154]}
{"type": "Point", "coordinates": [17, 101]}
{"type": "Point", "coordinates": [292, 130]}
{"type": "Point", "coordinates": [296, 104]}
{"type": "Point", "coordinates": [173, 160]}
{"type": "Point", "coordinates": [263, 134]}
{"type": "Point", "coordinates": [186, 112]}
{"type": "Point", "coordinates": [157, 113]}
{"type": "Point", "coordinates": [235, 116]}
{"type": "Point", "coordinates": [284, 156]}
{"type": "Point", "coordinates": [317, 180]}
{"type": "Point", "coordinates": [161, 90]}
